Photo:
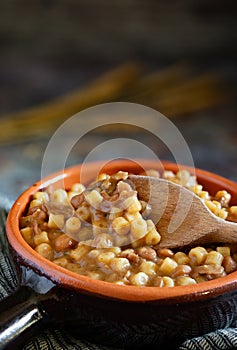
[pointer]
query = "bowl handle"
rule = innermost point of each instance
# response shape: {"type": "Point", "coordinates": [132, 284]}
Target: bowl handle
{"type": "Point", "coordinates": [20, 314]}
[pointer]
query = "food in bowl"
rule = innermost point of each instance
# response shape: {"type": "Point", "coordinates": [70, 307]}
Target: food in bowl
{"type": "Point", "coordinates": [104, 231]}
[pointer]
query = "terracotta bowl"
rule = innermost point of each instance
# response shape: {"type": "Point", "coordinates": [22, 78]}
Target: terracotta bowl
{"type": "Point", "coordinates": [106, 313]}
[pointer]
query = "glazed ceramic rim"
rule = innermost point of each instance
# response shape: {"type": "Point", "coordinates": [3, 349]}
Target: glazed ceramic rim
{"type": "Point", "coordinates": [84, 284]}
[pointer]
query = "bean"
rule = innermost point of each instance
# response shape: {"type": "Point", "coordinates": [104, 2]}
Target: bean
{"type": "Point", "coordinates": [164, 253]}
{"type": "Point", "coordinates": [181, 270]}
{"type": "Point", "coordinates": [64, 242]}
{"type": "Point", "coordinates": [229, 264]}
{"type": "Point", "coordinates": [147, 253]}
{"type": "Point", "coordinates": [77, 200]}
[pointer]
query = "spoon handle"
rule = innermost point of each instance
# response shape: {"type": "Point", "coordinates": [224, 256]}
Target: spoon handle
{"type": "Point", "coordinates": [226, 232]}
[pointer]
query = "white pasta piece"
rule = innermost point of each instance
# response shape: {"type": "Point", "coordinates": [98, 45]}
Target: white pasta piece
{"type": "Point", "coordinates": [83, 212]}
{"type": "Point", "coordinates": [119, 264]}
{"type": "Point", "coordinates": [105, 257]}
{"type": "Point", "coordinates": [233, 209]}
{"type": "Point", "coordinates": [152, 237]}
{"type": "Point", "coordinates": [224, 251]}
{"type": "Point", "coordinates": [183, 176]}
{"type": "Point", "coordinates": [181, 258]}
{"type": "Point", "coordinates": [204, 195]}
{"type": "Point", "coordinates": [56, 221]}
{"type": "Point", "coordinates": [168, 266]}
{"type": "Point", "coordinates": [41, 237]}
{"type": "Point", "coordinates": [134, 205]}
{"type": "Point", "coordinates": [168, 281]}
{"type": "Point", "coordinates": [214, 258]}
{"type": "Point", "coordinates": [121, 226]}
{"type": "Point", "coordinates": [197, 189]}
{"type": "Point", "coordinates": [149, 267]}
{"type": "Point", "coordinates": [138, 228]}
{"type": "Point", "coordinates": [153, 173]}
{"type": "Point", "coordinates": [184, 281]}
{"type": "Point", "coordinates": [27, 234]}
{"type": "Point", "coordinates": [93, 254]}
{"type": "Point", "coordinates": [139, 279]}
{"type": "Point", "coordinates": [59, 196]}
{"type": "Point", "coordinates": [93, 197]}
{"type": "Point", "coordinates": [35, 203]}
{"type": "Point", "coordinates": [168, 174]}
{"type": "Point", "coordinates": [133, 216]}
{"type": "Point", "coordinates": [102, 177]}
{"type": "Point", "coordinates": [123, 186]}
{"type": "Point", "coordinates": [120, 175]}
{"type": "Point", "coordinates": [115, 250]}
{"type": "Point", "coordinates": [62, 261]}
{"type": "Point", "coordinates": [78, 253]}
{"type": "Point", "coordinates": [45, 250]}
{"type": "Point", "coordinates": [223, 214]}
{"type": "Point", "coordinates": [42, 196]}
{"type": "Point", "coordinates": [78, 188]}
{"type": "Point", "coordinates": [197, 255]}
{"type": "Point", "coordinates": [72, 225]}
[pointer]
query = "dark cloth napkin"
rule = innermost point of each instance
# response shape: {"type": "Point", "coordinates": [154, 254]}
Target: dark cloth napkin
{"type": "Point", "coordinates": [58, 339]}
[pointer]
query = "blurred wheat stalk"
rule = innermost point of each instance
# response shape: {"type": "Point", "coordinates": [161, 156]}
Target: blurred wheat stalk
{"type": "Point", "coordinates": [174, 91]}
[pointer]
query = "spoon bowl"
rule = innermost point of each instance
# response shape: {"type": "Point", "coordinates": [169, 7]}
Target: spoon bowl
{"type": "Point", "coordinates": [181, 217]}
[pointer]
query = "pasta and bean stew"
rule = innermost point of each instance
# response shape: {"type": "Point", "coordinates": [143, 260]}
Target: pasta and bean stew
{"type": "Point", "coordinates": [104, 231]}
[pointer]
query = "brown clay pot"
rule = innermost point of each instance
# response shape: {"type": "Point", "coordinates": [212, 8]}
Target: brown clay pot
{"type": "Point", "coordinates": [107, 313]}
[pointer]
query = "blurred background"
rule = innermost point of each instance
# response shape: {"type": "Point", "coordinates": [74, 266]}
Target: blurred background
{"type": "Point", "coordinates": [59, 57]}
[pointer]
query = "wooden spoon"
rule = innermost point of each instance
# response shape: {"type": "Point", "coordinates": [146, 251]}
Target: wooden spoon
{"type": "Point", "coordinates": [180, 216]}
